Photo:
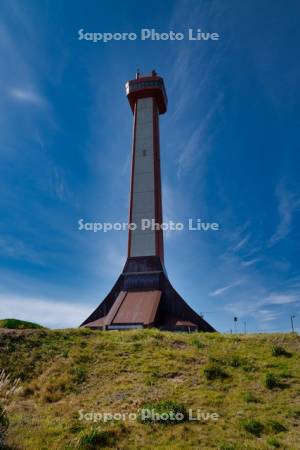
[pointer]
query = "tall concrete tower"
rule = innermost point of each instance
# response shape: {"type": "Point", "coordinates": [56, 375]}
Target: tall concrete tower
{"type": "Point", "coordinates": [143, 295]}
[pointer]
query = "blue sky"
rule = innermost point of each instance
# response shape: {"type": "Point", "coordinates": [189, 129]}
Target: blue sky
{"type": "Point", "coordinates": [229, 148]}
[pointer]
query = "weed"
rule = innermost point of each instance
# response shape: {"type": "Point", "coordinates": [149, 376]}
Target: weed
{"type": "Point", "coordinates": [83, 358]}
{"type": "Point", "coordinates": [280, 351]}
{"type": "Point", "coordinates": [8, 387]}
{"type": "Point", "coordinates": [153, 377]}
{"type": "Point", "coordinates": [250, 398]}
{"type": "Point", "coordinates": [276, 426]}
{"type": "Point", "coordinates": [79, 374]}
{"type": "Point", "coordinates": [271, 381]}
{"type": "Point", "coordinates": [236, 361]}
{"type": "Point", "coordinates": [226, 446]}
{"type": "Point", "coordinates": [285, 374]}
{"type": "Point", "coordinates": [253, 426]}
{"type": "Point", "coordinates": [165, 411]}
{"type": "Point", "coordinates": [215, 372]}
{"type": "Point", "coordinates": [198, 344]}
{"type": "Point", "coordinates": [96, 438]}
{"type": "Point", "coordinates": [295, 414]}
{"type": "Point", "coordinates": [4, 423]}
{"type": "Point", "coordinates": [137, 346]}
{"type": "Point", "coordinates": [274, 442]}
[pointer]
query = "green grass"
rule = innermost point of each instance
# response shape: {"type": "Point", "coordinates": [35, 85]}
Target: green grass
{"type": "Point", "coordinates": [96, 438]}
{"type": "Point", "coordinates": [71, 376]}
{"type": "Point", "coordinates": [4, 423]}
{"type": "Point", "coordinates": [214, 372]}
{"type": "Point", "coordinates": [272, 381]}
{"type": "Point", "coordinates": [18, 324]}
{"type": "Point", "coordinates": [253, 426]}
{"type": "Point", "coordinates": [276, 426]}
{"type": "Point", "coordinates": [250, 398]}
{"type": "Point", "coordinates": [274, 442]}
{"type": "Point", "coordinates": [277, 350]}
{"type": "Point", "coordinates": [227, 447]}
{"type": "Point", "coordinates": [164, 412]}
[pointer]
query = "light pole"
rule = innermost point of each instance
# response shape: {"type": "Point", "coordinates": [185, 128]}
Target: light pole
{"type": "Point", "coordinates": [235, 324]}
{"type": "Point", "coordinates": [292, 323]}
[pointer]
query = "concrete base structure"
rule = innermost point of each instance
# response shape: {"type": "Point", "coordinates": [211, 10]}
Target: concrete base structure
{"type": "Point", "coordinates": [144, 297]}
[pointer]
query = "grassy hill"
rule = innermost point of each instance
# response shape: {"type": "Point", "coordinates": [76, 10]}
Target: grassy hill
{"type": "Point", "coordinates": [18, 324]}
{"type": "Point", "coordinates": [250, 381]}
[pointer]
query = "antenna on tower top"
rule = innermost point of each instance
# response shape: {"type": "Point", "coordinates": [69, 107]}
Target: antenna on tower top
{"type": "Point", "coordinates": [137, 75]}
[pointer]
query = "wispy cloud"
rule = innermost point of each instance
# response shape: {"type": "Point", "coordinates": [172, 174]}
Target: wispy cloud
{"type": "Point", "coordinates": [288, 203]}
{"type": "Point", "coordinates": [264, 306]}
{"type": "Point", "coordinates": [19, 250]}
{"type": "Point", "coordinates": [280, 299]}
{"type": "Point", "coordinates": [250, 262]}
{"type": "Point", "coordinates": [241, 243]}
{"type": "Point", "coordinates": [195, 141]}
{"type": "Point", "coordinates": [59, 185]}
{"type": "Point", "coordinates": [223, 289]}
{"type": "Point", "coordinates": [198, 142]}
{"type": "Point", "coordinates": [27, 96]}
{"type": "Point", "coordinates": [266, 315]}
{"type": "Point", "coordinates": [23, 80]}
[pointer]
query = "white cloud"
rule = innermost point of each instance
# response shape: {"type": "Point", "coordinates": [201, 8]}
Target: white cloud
{"type": "Point", "coordinates": [250, 262]}
{"type": "Point", "coordinates": [27, 96]}
{"type": "Point", "coordinates": [260, 307]}
{"type": "Point", "coordinates": [241, 243]}
{"type": "Point", "coordinates": [23, 81]}
{"type": "Point", "coordinates": [242, 308]}
{"type": "Point", "coordinates": [59, 185]}
{"type": "Point", "coordinates": [267, 315]}
{"type": "Point", "coordinates": [17, 249]}
{"type": "Point", "coordinates": [280, 299]}
{"type": "Point", "coordinates": [197, 144]}
{"type": "Point", "coordinates": [47, 312]}
{"type": "Point", "coordinates": [224, 288]}
{"type": "Point", "coordinates": [287, 205]}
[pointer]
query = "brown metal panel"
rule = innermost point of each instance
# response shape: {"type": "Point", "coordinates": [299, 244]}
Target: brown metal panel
{"type": "Point", "coordinates": [185, 323]}
{"type": "Point", "coordinates": [96, 323]}
{"type": "Point", "coordinates": [114, 309]}
{"type": "Point", "coordinates": [138, 307]}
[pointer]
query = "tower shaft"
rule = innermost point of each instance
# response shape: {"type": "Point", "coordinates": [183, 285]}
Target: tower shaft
{"type": "Point", "coordinates": [145, 193]}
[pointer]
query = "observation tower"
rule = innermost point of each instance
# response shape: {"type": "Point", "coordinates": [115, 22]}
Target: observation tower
{"type": "Point", "coordinates": [143, 295]}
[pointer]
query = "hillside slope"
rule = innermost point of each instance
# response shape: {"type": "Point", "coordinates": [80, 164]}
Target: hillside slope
{"type": "Point", "coordinates": [18, 324]}
{"type": "Point", "coordinates": [70, 377]}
